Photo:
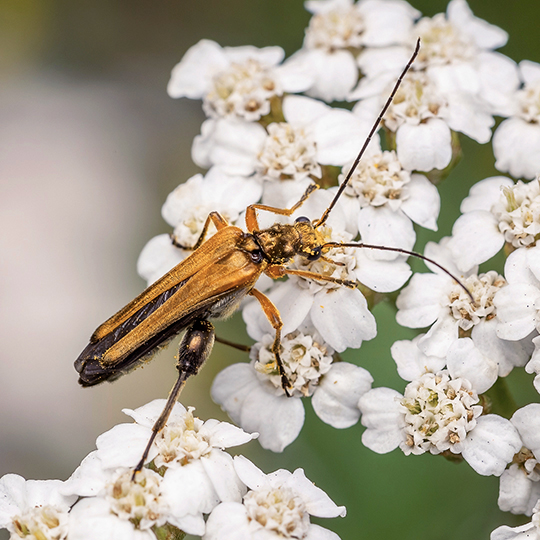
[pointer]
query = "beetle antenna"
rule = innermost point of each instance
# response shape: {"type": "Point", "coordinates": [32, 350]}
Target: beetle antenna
{"type": "Point", "coordinates": [404, 252]}
{"type": "Point", "coordinates": [369, 137]}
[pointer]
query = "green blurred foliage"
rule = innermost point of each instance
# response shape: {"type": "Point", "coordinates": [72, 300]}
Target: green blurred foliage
{"type": "Point", "coordinates": [137, 42]}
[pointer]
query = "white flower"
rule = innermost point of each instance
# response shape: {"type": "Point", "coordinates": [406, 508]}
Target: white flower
{"type": "Point", "coordinates": [92, 518]}
{"type": "Point", "coordinates": [439, 412]}
{"type": "Point", "coordinates": [422, 117]}
{"type": "Point", "coordinates": [289, 153]}
{"type": "Point", "coordinates": [457, 83]}
{"type": "Point", "coordinates": [457, 55]}
{"type": "Point", "coordinates": [529, 531]}
{"type": "Point", "coordinates": [236, 81]}
{"type": "Point", "coordinates": [520, 484]}
{"type": "Point", "coordinates": [34, 509]}
{"type": "Point", "coordinates": [516, 142]}
{"type": "Point", "coordinates": [198, 473]}
{"type": "Point", "coordinates": [518, 304]}
{"type": "Point", "coordinates": [340, 315]}
{"type": "Point", "coordinates": [187, 209]}
{"type": "Point", "coordinates": [277, 506]}
{"type": "Point", "coordinates": [478, 228]}
{"type": "Point", "coordinates": [436, 300]}
{"type": "Point", "coordinates": [495, 211]}
{"type": "Point", "coordinates": [340, 28]}
{"type": "Point", "coordinates": [126, 508]}
{"type": "Point", "coordinates": [382, 199]}
{"type": "Point", "coordinates": [253, 396]}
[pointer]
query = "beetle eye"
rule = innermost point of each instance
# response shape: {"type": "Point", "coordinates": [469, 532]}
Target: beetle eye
{"type": "Point", "coordinates": [256, 256]}
{"type": "Point", "coordinates": [302, 219]}
{"type": "Point", "coordinates": [315, 254]}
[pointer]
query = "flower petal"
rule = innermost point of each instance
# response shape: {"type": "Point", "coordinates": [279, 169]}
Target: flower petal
{"type": "Point", "coordinates": [411, 362]}
{"type": "Point", "coordinates": [486, 35]}
{"type": "Point", "coordinates": [318, 503]}
{"type": "Point", "coordinates": [188, 490]}
{"type": "Point", "coordinates": [422, 202]}
{"type": "Point", "coordinates": [517, 493]}
{"type": "Point", "coordinates": [424, 147]}
{"type": "Point", "coordinates": [256, 408]}
{"type": "Point", "coordinates": [517, 311]}
{"type": "Point", "coordinates": [228, 521]}
{"type": "Point", "coordinates": [506, 354]}
{"type": "Point", "coordinates": [491, 445]}
{"type": "Point", "coordinates": [527, 422]}
{"type": "Point", "coordinates": [192, 76]}
{"type": "Point", "coordinates": [342, 318]}
{"type": "Point", "coordinates": [335, 74]}
{"type": "Point", "coordinates": [516, 145]}
{"type": "Point", "coordinates": [384, 227]}
{"type": "Point", "coordinates": [465, 360]}
{"type": "Point", "coordinates": [336, 399]}
{"type": "Point", "coordinates": [484, 194]}
{"type": "Point", "coordinates": [381, 415]}
{"type": "Point", "coordinates": [478, 230]}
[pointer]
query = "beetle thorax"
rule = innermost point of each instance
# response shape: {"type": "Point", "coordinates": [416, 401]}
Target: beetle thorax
{"type": "Point", "coordinates": [281, 242]}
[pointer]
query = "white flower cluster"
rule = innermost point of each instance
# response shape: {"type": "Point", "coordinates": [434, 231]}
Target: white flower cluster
{"type": "Point", "coordinates": [264, 144]}
{"type": "Point", "coordinates": [189, 476]}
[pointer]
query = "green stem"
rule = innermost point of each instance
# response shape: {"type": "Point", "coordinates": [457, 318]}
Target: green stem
{"type": "Point", "coordinates": [168, 532]}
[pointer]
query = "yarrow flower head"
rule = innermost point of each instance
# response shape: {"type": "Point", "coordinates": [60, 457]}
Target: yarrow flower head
{"type": "Point", "coordinates": [516, 140]}
{"type": "Point", "coordinates": [235, 82]}
{"type": "Point", "coordinates": [305, 360]}
{"type": "Point", "coordinates": [440, 412]}
{"type": "Point", "coordinates": [437, 300]}
{"type": "Point", "coordinates": [187, 452]}
{"type": "Point", "coordinates": [383, 198]}
{"type": "Point", "coordinates": [186, 210]}
{"type": "Point", "coordinates": [457, 84]}
{"type": "Point", "coordinates": [124, 508]}
{"type": "Point", "coordinates": [339, 29]}
{"type": "Point", "coordinates": [496, 211]}
{"type": "Point", "coordinates": [253, 396]}
{"type": "Point", "coordinates": [518, 213]}
{"type": "Point", "coordinates": [287, 154]}
{"type": "Point", "coordinates": [34, 509]}
{"type": "Point", "coordinates": [278, 505]}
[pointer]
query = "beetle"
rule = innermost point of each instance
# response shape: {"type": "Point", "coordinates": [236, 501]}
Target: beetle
{"type": "Point", "coordinates": [210, 284]}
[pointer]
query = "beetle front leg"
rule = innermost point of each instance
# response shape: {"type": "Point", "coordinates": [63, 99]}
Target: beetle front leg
{"type": "Point", "coordinates": [194, 349]}
{"type": "Point", "coordinates": [214, 217]}
{"type": "Point", "coordinates": [277, 271]}
{"type": "Point", "coordinates": [251, 211]}
{"type": "Point", "coordinates": [272, 314]}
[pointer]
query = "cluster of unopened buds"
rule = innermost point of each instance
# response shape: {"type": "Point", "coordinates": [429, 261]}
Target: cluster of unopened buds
{"type": "Point", "coordinates": [270, 133]}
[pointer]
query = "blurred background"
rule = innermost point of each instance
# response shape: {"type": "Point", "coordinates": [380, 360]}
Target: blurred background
{"type": "Point", "coordinates": [90, 146]}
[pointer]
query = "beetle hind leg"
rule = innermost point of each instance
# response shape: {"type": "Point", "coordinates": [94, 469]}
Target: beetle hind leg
{"type": "Point", "coordinates": [194, 349]}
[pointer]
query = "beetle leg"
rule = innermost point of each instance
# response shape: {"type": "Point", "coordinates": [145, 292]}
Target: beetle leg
{"type": "Point", "coordinates": [239, 346]}
{"type": "Point", "coordinates": [277, 271]}
{"type": "Point", "coordinates": [272, 314]}
{"type": "Point", "coordinates": [214, 217]}
{"type": "Point", "coordinates": [251, 211]}
{"type": "Point", "coordinates": [194, 349]}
